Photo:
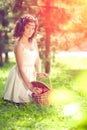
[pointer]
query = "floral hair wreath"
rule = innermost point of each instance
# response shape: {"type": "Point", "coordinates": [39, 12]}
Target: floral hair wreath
{"type": "Point", "coordinates": [24, 20]}
{"type": "Point", "coordinates": [21, 23]}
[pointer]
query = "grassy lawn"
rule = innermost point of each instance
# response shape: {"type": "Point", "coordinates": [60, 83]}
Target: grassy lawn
{"type": "Point", "coordinates": [69, 102]}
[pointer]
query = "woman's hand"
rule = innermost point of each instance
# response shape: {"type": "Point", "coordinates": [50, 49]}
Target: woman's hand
{"type": "Point", "coordinates": [43, 75]}
{"type": "Point", "coordinates": [37, 90]}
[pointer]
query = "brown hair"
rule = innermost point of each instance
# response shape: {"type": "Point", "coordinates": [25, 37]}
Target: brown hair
{"type": "Point", "coordinates": [20, 24]}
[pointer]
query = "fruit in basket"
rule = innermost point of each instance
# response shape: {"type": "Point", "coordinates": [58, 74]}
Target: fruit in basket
{"type": "Point", "coordinates": [40, 90]}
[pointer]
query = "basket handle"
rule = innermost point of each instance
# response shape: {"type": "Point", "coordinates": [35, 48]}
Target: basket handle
{"type": "Point", "coordinates": [50, 82]}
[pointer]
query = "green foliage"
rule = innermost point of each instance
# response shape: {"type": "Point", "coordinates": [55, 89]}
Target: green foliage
{"type": "Point", "coordinates": [54, 117]}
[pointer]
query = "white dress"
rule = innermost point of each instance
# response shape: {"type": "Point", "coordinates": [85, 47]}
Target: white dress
{"type": "Point", "coordinates": [16, 90]}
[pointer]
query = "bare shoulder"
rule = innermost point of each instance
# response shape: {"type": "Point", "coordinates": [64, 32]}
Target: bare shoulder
{"type": "Point", "coordinates": [18, 46]}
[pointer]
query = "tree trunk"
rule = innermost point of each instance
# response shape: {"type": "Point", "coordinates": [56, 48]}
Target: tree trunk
{"type": "Point", "coordinates": [47, 54]}
{"type": "Point", "coordinates": [47, 66]}
{"type": "Point", "coordinates": [1, 51]}
{"type": "Point", "coordinates": [6, 57]}
{"type": "Point", "coordinates": [1, 61]}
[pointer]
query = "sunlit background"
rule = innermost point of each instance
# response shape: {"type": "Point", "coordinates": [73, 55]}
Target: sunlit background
{"type": "Point", "coordinates": [62, 42]}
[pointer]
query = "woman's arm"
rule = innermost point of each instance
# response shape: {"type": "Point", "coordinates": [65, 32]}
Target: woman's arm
{"type": "Point", "coordinates": [38, 61]}
{"type": "Point", "coordinates": [38, 66]}
{"type": "Point", "coordinates": [19, 55]}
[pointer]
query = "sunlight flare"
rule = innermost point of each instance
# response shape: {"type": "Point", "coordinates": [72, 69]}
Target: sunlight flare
{"type": "Point", "coordinates": [71, 109]}
{"type": "Point", "coordinates": [61, 96]}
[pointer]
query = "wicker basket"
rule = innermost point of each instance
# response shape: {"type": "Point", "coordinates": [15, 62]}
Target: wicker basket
{"type": "Point", "coordinates": [42, 98]}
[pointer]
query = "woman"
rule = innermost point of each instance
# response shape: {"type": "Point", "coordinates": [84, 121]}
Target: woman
{"type": "Point", "coordinates": [18, 88]}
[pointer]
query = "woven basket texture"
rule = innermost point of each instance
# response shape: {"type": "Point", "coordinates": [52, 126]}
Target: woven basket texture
{"type": "Point", "coordinates": [42, 98]}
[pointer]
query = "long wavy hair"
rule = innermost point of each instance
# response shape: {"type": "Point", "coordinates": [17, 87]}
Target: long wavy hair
{"type": "Point", "coordinates": [21, 23]}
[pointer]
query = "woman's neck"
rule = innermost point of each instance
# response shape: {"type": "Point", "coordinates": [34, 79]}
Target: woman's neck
{"type": "Point", "coordinates": [28, 44]}
{"type": "Point", "coordinates": [24, 39]}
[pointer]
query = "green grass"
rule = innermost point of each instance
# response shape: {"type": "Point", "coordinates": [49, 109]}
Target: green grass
{"type": "Point", "coordinates": [69, 103]}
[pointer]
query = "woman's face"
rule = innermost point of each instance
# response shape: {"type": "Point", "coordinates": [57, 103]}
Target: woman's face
{"type": "Point", "coordinates": [29, 29]}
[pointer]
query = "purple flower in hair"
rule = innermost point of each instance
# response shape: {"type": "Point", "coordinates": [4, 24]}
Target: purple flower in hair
{"type": "Point", "coordinates": [21, 23]}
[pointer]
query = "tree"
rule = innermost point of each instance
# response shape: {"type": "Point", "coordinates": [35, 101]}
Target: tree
{"type": "Point", "coordinates": [48, 12]}
{"type": "Point", "coordinates": [3, 36]}
{"type": "Point", "coordinates": [63, 19]}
